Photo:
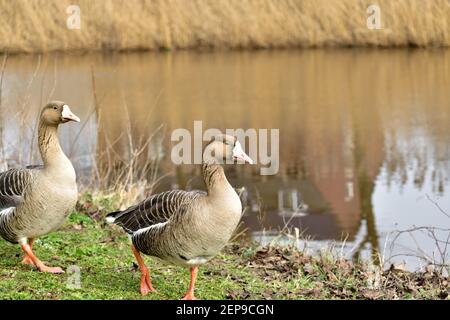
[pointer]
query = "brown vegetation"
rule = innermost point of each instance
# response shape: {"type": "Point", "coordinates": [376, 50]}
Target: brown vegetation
{"type": "Point", "coordinates": [40, 25]}
{"type": "Point", "coordinates": [326, 277]}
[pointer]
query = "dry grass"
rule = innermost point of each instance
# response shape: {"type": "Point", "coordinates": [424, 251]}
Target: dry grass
{"type": "Point", "coordinates": [40, 25]}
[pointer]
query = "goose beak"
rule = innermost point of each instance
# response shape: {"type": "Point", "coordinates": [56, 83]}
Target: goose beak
{"type": "Point", "coordinates": [240, 155]}
{"type": "Point", "coordinates": [67, 115]}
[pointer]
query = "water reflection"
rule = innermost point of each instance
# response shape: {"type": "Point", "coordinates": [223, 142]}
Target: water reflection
{"type": "Point", "coordinates": [363, 133]}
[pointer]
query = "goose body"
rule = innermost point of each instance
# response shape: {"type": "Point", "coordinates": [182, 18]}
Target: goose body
{"type": "Point", "coordinates": [36, 201]}
{"type": "Point", "coordinates": [186, 228]}
{"type": "Point", "coordinates": [183, 227]}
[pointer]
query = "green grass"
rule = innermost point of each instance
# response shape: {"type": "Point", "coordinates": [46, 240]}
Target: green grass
{"type": "Point", "coordinates": [103, 255]}
{"type": "Point", "coordinates": [108, 271]}
{"type": "Point", "coordinates": [107, 268]}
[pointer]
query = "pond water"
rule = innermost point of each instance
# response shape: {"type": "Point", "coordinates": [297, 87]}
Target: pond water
{"type": "Point", "coordinates": [364, 134]}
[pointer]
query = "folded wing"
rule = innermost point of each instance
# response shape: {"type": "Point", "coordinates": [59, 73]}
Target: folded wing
{"type": "Point", "coordinates": [13, 184]}
{"type": "Point", "coordinates": [157, 209]}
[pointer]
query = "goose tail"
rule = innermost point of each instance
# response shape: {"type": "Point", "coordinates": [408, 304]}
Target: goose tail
{"type": "Point", "coordinates": [111, 217]}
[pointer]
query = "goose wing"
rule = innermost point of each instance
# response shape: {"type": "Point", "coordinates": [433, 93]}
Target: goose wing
{"type": "Point", "coordinates": [12, 186]}
{"type": "Point", "coordinates": [155, 210]}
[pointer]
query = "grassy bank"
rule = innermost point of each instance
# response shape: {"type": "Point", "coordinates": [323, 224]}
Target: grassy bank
{"type": "Point", "coordinates": [40, 25]}
{"type": "Point", "coordinates": [241, 271]}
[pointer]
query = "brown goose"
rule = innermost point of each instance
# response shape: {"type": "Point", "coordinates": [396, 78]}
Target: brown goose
{"type": "Point", "coordinates": [35, 201]}
{"type": "Point", "coordinates": [187, 228]}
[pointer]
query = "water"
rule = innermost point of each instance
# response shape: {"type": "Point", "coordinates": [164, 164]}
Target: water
{"type": "Point", "coordinates": [364, 134]}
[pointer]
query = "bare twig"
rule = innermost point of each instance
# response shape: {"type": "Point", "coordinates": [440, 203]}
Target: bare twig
{"type": "Point", "coordinates": [437, 206]}
{"type": "Point", "coordinates": [441, 244]}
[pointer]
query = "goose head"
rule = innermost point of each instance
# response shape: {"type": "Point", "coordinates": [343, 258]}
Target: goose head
{"type": "Point", "coordinates": [225, 149]}
{"type": "Point", "coordinates": [57, 112]}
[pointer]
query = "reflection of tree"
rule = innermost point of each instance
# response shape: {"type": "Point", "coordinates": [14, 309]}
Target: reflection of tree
{"type": "Point", "coordinates": [367, 156]}
{"type": "Point", "coordinates": [366, 187]}
{"type": "Point", "coordinates": [414, 156]}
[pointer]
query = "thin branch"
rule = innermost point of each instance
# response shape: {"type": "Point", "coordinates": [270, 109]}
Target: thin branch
{"type": "Point", "coordinates": [437, 206]}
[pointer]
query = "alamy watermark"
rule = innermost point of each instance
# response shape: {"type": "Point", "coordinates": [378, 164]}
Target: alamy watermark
{"type": "Point", "coordinates": [374, 18]}
{"type": "Point", "coordinates": [73, 21]}
{"type": "Point", "coordinates": [188, 148]}
{"type": "Point", "coordinates": [73, 277]}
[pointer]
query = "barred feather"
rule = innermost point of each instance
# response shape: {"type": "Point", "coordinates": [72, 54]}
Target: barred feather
{"type": "Point", "coordinates": [12, 185]}
{"type": "Point", "coordinates": [157, 209]}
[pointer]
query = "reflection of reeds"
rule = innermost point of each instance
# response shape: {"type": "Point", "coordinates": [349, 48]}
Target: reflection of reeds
{"type": "Point", "coordinates": [133, 175]}
{"type": "Point", "coordinates": [130, 173]}
{"type": "Point", "coordinates": [32, 26]}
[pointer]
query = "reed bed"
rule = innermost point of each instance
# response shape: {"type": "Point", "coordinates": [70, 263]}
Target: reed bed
{"type": "Point", "coordinates": [40, 25]}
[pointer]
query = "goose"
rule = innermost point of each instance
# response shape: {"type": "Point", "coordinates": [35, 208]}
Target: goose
{"type": "Point", "coordinates": [187, 228]}
{"type": "Point", "coordinates": [35, 201]}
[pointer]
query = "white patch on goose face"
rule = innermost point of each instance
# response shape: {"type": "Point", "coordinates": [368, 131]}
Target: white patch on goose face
{"type": "Point", "coordinates": [237, 150]}
{"type": "Point", "coordinates": [239, 154]}
{"type": "Point", "coordinates": [66, 112]}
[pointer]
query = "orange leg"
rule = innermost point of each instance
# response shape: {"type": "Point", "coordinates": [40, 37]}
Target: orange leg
{"type": "Point", "coordinates": [190, 294]}
{"type": "Point", "coordinates": [38, 263]}
{"type": "Point", "coordinates": [146, 283]}
{"type": "Point", "coordinates": [27, 259]}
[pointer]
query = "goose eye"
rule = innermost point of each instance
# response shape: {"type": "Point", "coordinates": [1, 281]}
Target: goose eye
{"type": "Point", "coordinates": [54, 108]}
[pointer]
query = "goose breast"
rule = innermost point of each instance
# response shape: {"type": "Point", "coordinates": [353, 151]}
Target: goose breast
{"type": "Point", "coordinates": [48, 203]}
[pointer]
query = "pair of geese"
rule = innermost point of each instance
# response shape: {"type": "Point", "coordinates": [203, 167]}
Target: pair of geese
{"type": "Point", "coordinates": [186, 228]}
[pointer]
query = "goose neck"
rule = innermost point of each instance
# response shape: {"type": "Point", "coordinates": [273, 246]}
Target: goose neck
{"type": "Point", "coordinates": [49, 147]}
{"type": "Point", "coordinates": [215, 180]}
